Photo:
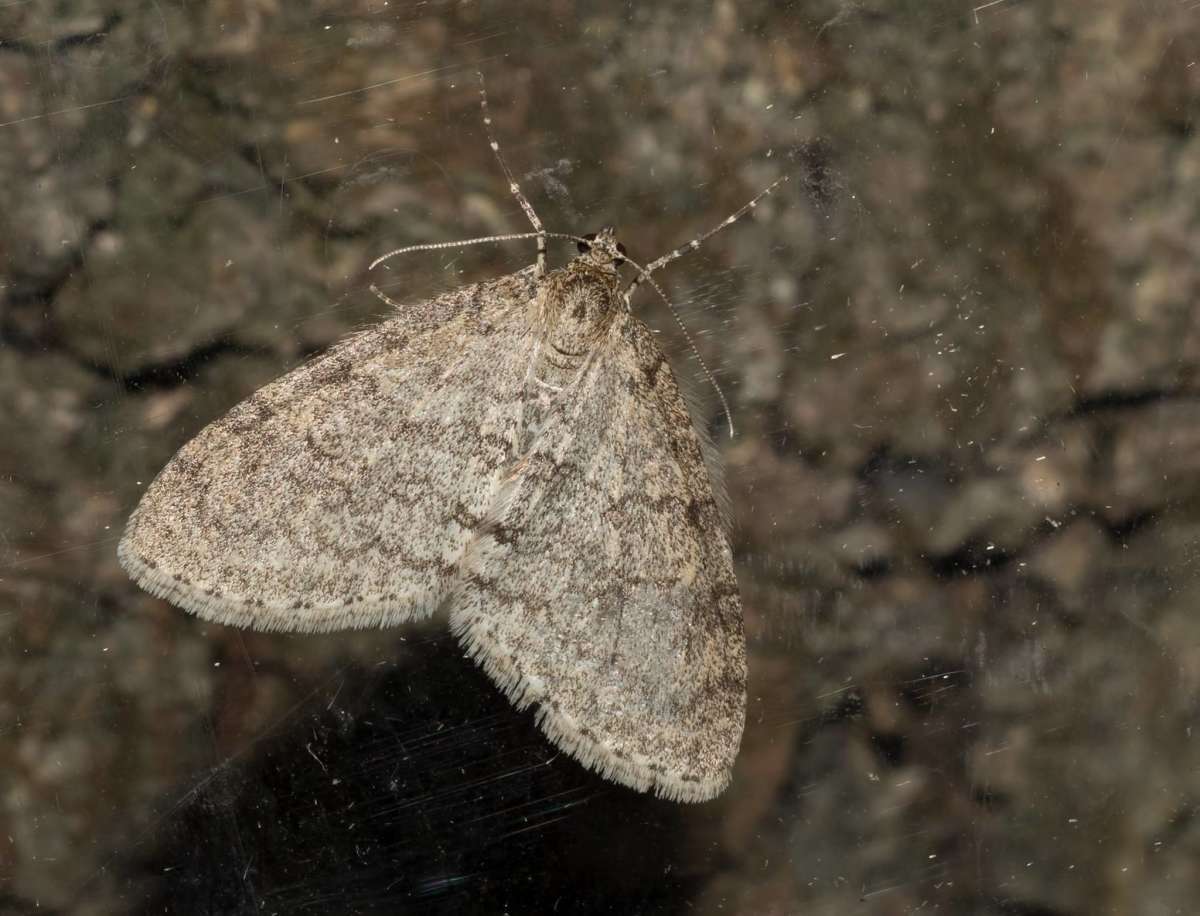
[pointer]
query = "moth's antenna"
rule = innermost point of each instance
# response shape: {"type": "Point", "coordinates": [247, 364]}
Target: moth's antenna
{"type": "Point", "coordinates": [712, 379]}
{"type": "Point", "coordinates": [431, 246]}
{"type": "Point", "coordinates": [645, 272]}
{"type": "Point", "coordinates": [512, 182]}
{"type": "Point", "coordinates": [699, 240]}
{"type": "Point", "coordinates": [434, 246]}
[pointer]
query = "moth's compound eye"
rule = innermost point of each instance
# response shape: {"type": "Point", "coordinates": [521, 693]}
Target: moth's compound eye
{"type": "Point", "coordinates": [620, 250]}
{"type": "Point", "coordinates": [582, 246]}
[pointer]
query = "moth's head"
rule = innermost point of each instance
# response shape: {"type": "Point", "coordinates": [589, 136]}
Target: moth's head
{"type": "Point", "coordinates": [602, 249]}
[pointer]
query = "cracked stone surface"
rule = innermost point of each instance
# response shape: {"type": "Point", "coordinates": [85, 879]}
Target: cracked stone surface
{"type": "Point", "coordinates": [963, 353]}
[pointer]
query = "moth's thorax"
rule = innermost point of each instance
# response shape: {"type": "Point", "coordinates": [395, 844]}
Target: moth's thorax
{"type": "Point", "coordinates": [574, 308]}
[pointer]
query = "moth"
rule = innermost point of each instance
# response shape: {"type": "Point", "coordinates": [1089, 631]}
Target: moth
{"type": "Point", "coordinates": [516, 452]}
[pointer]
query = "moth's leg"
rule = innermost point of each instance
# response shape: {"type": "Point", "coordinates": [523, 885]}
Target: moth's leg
{"type": "Point", "coordinates": [539, 230]}
{"type": "Point", "coordinates": [512, 183]}
{"type": "Point", "coordinates": [643, 276]}
{"type": "Point", "coordinates": [700, 239]}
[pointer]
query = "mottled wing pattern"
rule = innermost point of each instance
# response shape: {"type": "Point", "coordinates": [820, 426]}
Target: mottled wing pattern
{"type": "Point", "coordinates": [342, 494]}
{"type": "Point", "coordinates": [603, 589]}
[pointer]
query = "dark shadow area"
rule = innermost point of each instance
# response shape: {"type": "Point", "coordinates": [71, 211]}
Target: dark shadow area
{"type": "Point", "coordinates": [414, 790]}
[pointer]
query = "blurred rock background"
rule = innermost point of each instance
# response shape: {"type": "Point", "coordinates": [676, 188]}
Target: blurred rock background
{"type": "Point", "coordinates": [962, 350]}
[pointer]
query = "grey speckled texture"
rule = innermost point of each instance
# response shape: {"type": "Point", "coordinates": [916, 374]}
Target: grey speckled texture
{"type": "Point", "coordinates": [962, 351]}
{"type": "Point", "coordinates": [517, 451]}
{"type": "Point", "coordinates": [342, 494]}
